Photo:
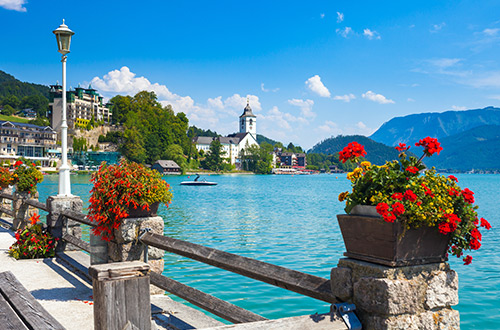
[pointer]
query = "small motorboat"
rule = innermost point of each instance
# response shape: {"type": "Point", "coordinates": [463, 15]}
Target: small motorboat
{"type": "Point", "coordinates": [197, 182]}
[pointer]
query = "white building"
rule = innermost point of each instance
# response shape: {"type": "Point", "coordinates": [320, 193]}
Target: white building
{"type": "Point", "coordinates": [234, 143]}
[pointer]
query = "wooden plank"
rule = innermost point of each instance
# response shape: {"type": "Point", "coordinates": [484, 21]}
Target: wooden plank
{"type": "Point", "coordinates": [37, 204]}
{"type": "Point", "coordinates": [76, 242]}
{"type": "Point", "coordinates": [8, 318]}
{"type": "Point", "coordinates": [7, 211]}
{"type": "Point", "coordinates": [203, 300]}
{"type": "Point", "coordinates": [306, 322]}
{"type": "Point", "coordinates": [79, 217]}
{"type": "Point", "coordinates": [8, 196]}
{"type": "Point", "coordinates": [25, 305]}
{"type": "Point", "coordinates": [306, 284]}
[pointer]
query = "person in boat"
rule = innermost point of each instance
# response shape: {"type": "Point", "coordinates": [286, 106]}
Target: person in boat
{"type": "Point", "coordinates": [197, 177]}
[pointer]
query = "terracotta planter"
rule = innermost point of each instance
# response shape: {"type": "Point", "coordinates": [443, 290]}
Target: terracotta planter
{"type": "Point", "coordinates": [370, 238]}
{"type": "Point", "coordinates": [140, 213]}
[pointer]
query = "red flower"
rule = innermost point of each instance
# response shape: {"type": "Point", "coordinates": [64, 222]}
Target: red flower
{"type": "Point", "coordinates": [389, 217]}
{"type": "Point", "coordinates": [353, 150]}
{"type": "Point", "coordinates": [475, 244]}
{"type": "Point", "coordinates": [402, 147]}
{"type": "Point", "coordinates": [410, 195]}
{"type": "Point", "coordinates": [468, 195]}
{"type": "Point", "coordinates": [382, 208]}
{"type": "Point", "coordinates": [476, 234]}
{"type": "Point", "coordinates": [485, 224]}
{"type": "Point", "coordinates": [17, 163]}
{"type": "Point", "coordinates": [453, 192]}
{"type": "Point", "coordinates": [412, 169]}
{"type": "Point", "coordinates": [398, 196]}
{"type": "Point", "coordinates": [453, 178]}
{"type": "Point", "coordinates": [398, 208]}
{"type": "Point", "coordinates": [431, 146]}
{"type": "Point", "coordinates": [467, 260]}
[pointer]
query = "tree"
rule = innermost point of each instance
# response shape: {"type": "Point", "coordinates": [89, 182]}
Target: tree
{"type": "Point", "coordinates": [213, 161]}
{"type": "Point", "coordinates": [8, 110]}
{"type": "Point", "coordinates": [133, 148]}
{"type": "Point", "coordinates": [174, 152]}
{"type": "Point", "coordinates": [11, 100]}
{"type": "Point", "coordinates": [120, 107]}
{"type": "Point", "coordinates": [38, 103]}
{"type": "Point", "coordinates": [257, 159]}
{"type": "Point", "coordinates": [40, 121]}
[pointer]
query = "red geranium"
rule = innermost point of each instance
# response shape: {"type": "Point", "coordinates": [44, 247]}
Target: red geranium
{"type": "Point", "coordinates": [410, 195]}
{"type": "Point", "coordinates": [398, 208]}
{"type": "Point", "coordinates": [431, 146]}
{"type": "Point", "coordinates": [402, 147]}
{"type": "Point", "coordinates": [398, 196]}
{"type": "Point", "coordinates": [352, 151]}
{"type": "Point", "coordinates": [467, 260]}
{"type": "Point", "coordinates": [453, 178]}
{"type": "Point", "coordinates": [468, 195]}
{"type": "Point", "coordinates": [412, 169]}
{"type": "Point", "coordinates": [485, 224]}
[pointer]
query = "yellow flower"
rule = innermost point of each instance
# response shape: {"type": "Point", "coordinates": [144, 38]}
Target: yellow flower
{"type": "Point", "coordinates": [365, 164]}
{"type": "Point", "coordinates": [343, 196]}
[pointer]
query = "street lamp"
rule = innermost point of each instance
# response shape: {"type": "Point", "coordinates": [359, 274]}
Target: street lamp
{"type": "Point", "coordinates": [63, 35]}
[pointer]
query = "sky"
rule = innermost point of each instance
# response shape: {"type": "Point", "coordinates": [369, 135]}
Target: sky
{"type": "Point", "coordinates": [310, 69]}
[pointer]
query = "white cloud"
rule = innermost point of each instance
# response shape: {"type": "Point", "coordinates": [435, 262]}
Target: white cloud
{"type": "Point", "coordinates": [491, 32]}
{"type": "Point", "coordinates": [275, 118]}
{"type": "Point", "coordinates": [16, 5]}
{"type": "Point", "coordinates": [455, 107]}
{"type": "Point", "coordinates": [340, 17]}
{"type": "Point", "coordinates": [315, 85]}
{"type": "Point", "coordinates": [333, 129]}
{"type": "Point", "coordinates": [305, 107]}
{"type": "Point", "coordinates": [371, 34]}
{"type": "Point", "coordinates": [444, 63]}
{"type": "Point", "coordinates": [379, 98]}
{"type": "Point", "coordinates": [216, 113]}
{"type": "Point", "coordinates": [266, 90]}
{"type": "Point", "coordinates": [345, 32]}
{"type": "Point", "coordinates": [437, 27]}
{"type": "Point", "coordinates": [410, 100]}
{"type": "Point", "coordinates": [345, 98]}
{"type": "Point", "coordinates": [322, 15]}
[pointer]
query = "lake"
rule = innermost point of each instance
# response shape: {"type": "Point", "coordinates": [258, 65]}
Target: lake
{"type": "Point", "coordinates": [291, 221]}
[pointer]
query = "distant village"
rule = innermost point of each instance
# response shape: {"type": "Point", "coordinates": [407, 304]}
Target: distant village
{"type": "Point", "coordinates": [85, 106]}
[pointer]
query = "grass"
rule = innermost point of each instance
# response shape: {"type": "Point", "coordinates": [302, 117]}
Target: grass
{"type": "Point", "coordinates": [15, 119]}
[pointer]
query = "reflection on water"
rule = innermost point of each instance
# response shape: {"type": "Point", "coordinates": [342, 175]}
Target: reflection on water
{"type": "Point", "coordinates": [290, 221]}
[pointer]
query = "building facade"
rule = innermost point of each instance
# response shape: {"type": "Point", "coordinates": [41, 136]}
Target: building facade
{"type": "Point", "coordinates": [234, 143]}
{"type": "Point", "coordinates": [83, 104]}
{"type": "Point", "coordinates": [26, 140]}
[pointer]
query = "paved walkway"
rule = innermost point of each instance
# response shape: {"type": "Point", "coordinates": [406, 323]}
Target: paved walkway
{"type": "Point", "coordinates": [60, 291]}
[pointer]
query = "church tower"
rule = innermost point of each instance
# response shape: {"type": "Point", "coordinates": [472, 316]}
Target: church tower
{"type": "Point", "coordinates": [248, 121]}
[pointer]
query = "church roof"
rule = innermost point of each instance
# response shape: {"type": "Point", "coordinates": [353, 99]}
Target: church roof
{"type": "Point", "coordinates": [247, 112]}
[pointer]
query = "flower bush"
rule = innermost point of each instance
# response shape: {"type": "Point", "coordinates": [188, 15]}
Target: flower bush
{"type": "Point", "coordinates": [118, 188]}
{"type": "Point", "coordinates": [33, 241]}
{"type": "Point", "coordinates": [5, 177]}
{"type": "Point", "coordinates": [26, 176]}
{"type": "Point", "coordinates": [403, 191]}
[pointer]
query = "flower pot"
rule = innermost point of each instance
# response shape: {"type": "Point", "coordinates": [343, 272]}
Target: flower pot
{"type": "Point", "coordinates": [140, 213]}
{"type": "Point", "coordinates": [372, 239]}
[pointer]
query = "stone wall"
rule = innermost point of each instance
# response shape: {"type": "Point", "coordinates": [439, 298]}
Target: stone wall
{"type": "Point", "coordinates": [411, 297]}
{"type": "Point", "coordinates": [126, 246]}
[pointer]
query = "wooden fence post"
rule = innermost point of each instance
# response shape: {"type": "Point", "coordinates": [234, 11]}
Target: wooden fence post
{"type": "Point", "coordinates": [22, 211]}
{"type": "Point", "coordinates": [121, 296]}
{"type": "Point", "coordinates": [98, 250]}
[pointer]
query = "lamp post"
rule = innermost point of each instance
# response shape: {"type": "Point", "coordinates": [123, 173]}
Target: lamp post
{"type": "Point", "coordinates": [63, 35]}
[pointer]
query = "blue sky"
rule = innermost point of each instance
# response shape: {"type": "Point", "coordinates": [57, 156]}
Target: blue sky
{"type": "Point", "coordinates": [312, 69]}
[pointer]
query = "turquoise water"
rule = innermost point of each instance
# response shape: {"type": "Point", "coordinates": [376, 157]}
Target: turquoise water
{"type": "Point", "coordinates": [290, 221]}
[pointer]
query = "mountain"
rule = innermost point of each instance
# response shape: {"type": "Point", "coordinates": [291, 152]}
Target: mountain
{"type": "Point", "coordinates": [11, 86]}
{"type": "Point", "coordinates": [410, 129]}
{"type": "Point", "coordinates": [477, 148]}
{"type": "Point", "coordinates": [377, 153]}
{"type": "Point", "coordinates": [262, 138]}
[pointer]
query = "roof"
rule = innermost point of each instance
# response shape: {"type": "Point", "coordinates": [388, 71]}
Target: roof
{"type": "Point", "coordinates": [167, 164]}
{"type": "Point", "coordinates": [247, 112]}
{"type": "Point", "coordinates": [24, 125]}
{"type": "Point", "coordinates": [203, 139]}
{"type": "Point", "coordinates": [223, 140]}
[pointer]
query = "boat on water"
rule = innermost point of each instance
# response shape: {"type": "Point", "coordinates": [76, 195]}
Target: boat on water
{"type": "Point", "coordinates": [197, 182]}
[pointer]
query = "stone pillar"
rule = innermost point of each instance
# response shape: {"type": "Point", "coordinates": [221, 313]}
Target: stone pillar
{"type": "Point", "coordinates": [57, 224]}
{"type": "Point", "coordinates": [121, 296]}
{"type": "Point", "coordinates": [22, 211]}
{"type": "Point", "coordinates": [410, 297]}
{"type": "Point", "coordinates": [5, 202]}
{"type": "Point", "coordinates": [126, 246]}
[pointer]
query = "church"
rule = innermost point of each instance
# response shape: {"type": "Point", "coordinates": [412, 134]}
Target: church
{"type": "Point", "coordinates": [234, 143]}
